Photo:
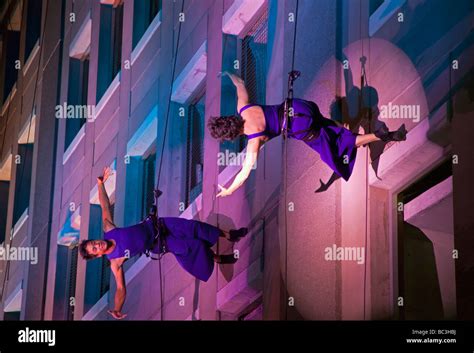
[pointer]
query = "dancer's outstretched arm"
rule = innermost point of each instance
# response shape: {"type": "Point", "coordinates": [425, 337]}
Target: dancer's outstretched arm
{"type": "Point", "coordinates": [251, 155]}
{"type": "Point", "coordinates": [242, 94]}
{"type": "Point", "coordinates": [121, 291]}
{"type": "Point", "coordinates": [107, 220]}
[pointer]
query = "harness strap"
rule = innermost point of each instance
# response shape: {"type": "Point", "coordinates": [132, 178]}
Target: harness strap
{"type": "Point", "coordinates": [159, 238]}
{"type": "Point", "coordinates": [245, 107]}
{"type": "Point", "coordinates": [312, 132]}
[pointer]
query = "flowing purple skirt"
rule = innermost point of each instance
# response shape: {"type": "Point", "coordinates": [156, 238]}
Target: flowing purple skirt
{"type": "Point", "coordinates": [191, 241]}
{"type": "Point", "coordinates": [335, 144]}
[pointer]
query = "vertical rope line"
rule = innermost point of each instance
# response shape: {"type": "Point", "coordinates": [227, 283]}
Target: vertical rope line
{"type": "Point", "coordinates": [285, 170]}
{"type": "Point", "coordinates": [163, 145]}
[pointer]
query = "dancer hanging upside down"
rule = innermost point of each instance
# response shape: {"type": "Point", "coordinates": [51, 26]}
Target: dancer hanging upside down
{"type": "Point", "coordinates": [190, 241]}
{"type": "Point", "coordinates": [336, 145]}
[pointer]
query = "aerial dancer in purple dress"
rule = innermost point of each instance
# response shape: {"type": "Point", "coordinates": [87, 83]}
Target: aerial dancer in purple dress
{"type": "Point", "coordinates": [189, 240]}
{"type": "Point", "coordinates": [336, 145]}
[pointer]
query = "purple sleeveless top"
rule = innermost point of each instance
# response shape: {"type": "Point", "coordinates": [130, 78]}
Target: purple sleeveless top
{"type": "Point", "coordinates": [130, 241]}
{"type": "Point", "coordinates": [272, 122]}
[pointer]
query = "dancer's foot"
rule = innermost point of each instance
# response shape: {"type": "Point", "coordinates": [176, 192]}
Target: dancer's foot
{"type": "Point", "coordinates": [225, 259]}
{"type": "Point", "coordinates": [236, 234]}
{"type": "Point", "coordinates": [386, 136]}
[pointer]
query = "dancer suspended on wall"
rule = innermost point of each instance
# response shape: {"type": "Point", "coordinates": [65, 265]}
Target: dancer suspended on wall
{"type": "Point", "coordinates": [336, 145]}
{"type": "Point", "coordinates": [189, 240]}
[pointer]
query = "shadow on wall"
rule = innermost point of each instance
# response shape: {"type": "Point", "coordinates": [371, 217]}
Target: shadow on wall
{"type": "Point", "coordinates": [224, 223]}
{"type": "Point", "coordinates": [358, 109]}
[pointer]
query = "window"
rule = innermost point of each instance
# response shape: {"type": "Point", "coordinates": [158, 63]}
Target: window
{"type": "Point", "coordinates": [97, 270]}
{"type": "Point", "coordinates": [65, 284]}
{"type": "Point", "coordinates": [4, 187]}
{"type": "Point", "coordinates": [110, 46]}
{"type": "Point", "coordinates": [144, 11]}
{"type": "Point", "coordinates": [139, 187]}
{"type": "Point", "coordinates": [148, 184]}
{"type": "Point", "coordinates": [11, 50]}
{"type": "Point", "coordinates": [77, 95]}
{"type": "Point", "coordinates": [252, 51]}
{"type": "Point", "coordinates": [11, 315]}
{"type": "Point", "coordinates": [254, 60]}
{"type": "Point", "coordinates": [33, 25]}
{"type": "Point", "coordinates": [195, 149]}
{"type": "Point", "coordinates": [23, 179]}
{"type": "Point", "coordinates": [374, 5]}
{"type": "Point", "coordinates": [228, 92]}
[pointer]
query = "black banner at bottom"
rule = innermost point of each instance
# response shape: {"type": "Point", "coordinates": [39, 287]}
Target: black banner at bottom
{"type": "Point", "coordinates": [100, 336]}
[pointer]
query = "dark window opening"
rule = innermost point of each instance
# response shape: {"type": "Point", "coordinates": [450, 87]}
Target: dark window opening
{"type": "Point", "coordinates": [65, 284]}
{"type": "Point", "coordinates": [110, 46]}
{"type": "Point", "coordinates": [4, 190]}
{"type": "Point", "coordinates": [195, 150]}
{"type": "Point", "coordinates": [33, 25]}
{"type": "Point", "coordinates": [11, 50]}
{"type": "Point", "coordinates": [374, 5]}
{"type": "Point", "coordinates": [11, 315]}
{"type": "Point", "coordinates": [148, 184]}
{"type": "Point", "coordinates": [23, 180]}
{"type": "Point", "coordinates": [77, 95]}
{"type": "Point", "coordinates": [144, 12]}
{"type": "Point", "coordinates": [254, 60]}
{"type": "Point", "coordinates": [139, 187]}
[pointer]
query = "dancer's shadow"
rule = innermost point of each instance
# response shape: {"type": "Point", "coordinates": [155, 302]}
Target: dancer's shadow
{"type": "Point", "coordinates": [223, 245]}
{"type": "Point", "coordinates": [359, 108]}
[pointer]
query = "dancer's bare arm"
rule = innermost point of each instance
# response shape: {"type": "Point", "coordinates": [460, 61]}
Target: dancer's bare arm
{"type": "Point", "coordinates": [242, 94]}
{"type": "Point", "coordinates": [107, 220]}
{"type": "Point", "coordinates": [251, 155]}
{"type": "Point", "coordinates": [121, 291]}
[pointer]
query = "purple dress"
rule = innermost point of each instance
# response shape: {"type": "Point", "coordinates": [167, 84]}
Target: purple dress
{"type": "Point", "coordinates": [189, 240]}
{"type": "Point", "coordinates": [335, 144]}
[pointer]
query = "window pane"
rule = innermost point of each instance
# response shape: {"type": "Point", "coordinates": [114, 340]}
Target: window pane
{"type": "Point", "coordinates": [4, 190]}
{"type": "Point", "coordinates": [77, 96]}
{"type": "Point", "coordinates": [11, 55]}
{"type": "Point", "coordinates": [33, 25]}
{"type": "Point", "coordinates": [110, 47]}
{"type": "Point", "coordinates": [144, 12]}
{"type": "Point", "coordinates": [148, 184]}
{"type": "Point", "coordinates": [65, 283]}
{"type": "Point", "coordinates": [23, 180]}
{"type": "Point", "coordinates": [195, 160]}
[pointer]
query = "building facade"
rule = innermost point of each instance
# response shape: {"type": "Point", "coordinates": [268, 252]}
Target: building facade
{"type": "Point", "coordinates": [130, 84]}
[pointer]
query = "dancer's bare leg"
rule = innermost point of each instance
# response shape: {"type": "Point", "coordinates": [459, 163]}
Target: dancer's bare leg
{"type": "Point", "coordinates": [365, 139]}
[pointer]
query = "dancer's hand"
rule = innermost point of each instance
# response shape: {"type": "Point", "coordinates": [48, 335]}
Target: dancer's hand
{"type": "Point", "coordinates": [105, 175]}
{"type": "Point", "coordinates": [236, 80]}
{"type": "Point", "coordinates": [223, 191]}
{"type": "Point", "coordinates": [117, 314]}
